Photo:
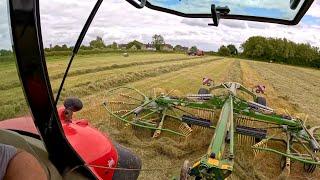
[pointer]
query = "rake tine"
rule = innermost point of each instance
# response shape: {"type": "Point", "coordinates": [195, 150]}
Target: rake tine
{"type": "Point", "coordinates": [121, 111]}
{"type": "Point", "coordinates": [127, 96]}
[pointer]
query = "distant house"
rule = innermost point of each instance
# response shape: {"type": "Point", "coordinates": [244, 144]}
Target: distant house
{"type": "Point", "coordinates": [167, 47]}
{"type": "Point", "coordinates": [150, 47]}
{"type": "Point", "coordinates": [184, 49]}
{"type": "Point", "coordinates": [134, 47]}
{"type": "Point", "coordinates": [180, 48]}
{"type": "Point", "coordinates": [122, 46]}
{"type": "Point", "coordinates": [143, 47]}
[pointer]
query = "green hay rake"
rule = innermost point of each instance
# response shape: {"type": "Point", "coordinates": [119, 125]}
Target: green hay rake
{"type": "Point", "coordinates": [240, 121]}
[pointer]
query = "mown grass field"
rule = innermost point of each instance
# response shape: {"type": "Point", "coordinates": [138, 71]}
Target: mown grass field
{"type": "Point", "coordinates": [292, 88]}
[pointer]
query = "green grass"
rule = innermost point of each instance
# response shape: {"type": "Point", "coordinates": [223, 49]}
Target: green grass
{"type": "Point", "coordinates": [88, 74]}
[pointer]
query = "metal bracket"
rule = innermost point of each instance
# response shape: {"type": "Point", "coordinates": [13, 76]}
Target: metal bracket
{"type": "Point", "coordinates": [137, 4]}
{"type": "Point", "coordinates": [216, 13]}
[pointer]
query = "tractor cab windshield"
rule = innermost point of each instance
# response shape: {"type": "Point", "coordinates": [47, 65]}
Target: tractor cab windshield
{"type": "Point", "coordinates": [278, 9]}
{"type": "Point", "coordinates": [185, 98]}
{"type": "Point", "coordinates": [282, 11]}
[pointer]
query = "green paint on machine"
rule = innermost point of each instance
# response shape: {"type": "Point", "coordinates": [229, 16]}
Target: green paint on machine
{"type": "Point", "coordinates": [238, 116]}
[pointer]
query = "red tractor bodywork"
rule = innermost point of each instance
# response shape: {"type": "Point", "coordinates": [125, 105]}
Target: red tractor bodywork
{"type": "Point", "coordinates": [199, 53]}
{"type": "Point", "coordinates": [196, 53]}
{"type": "Point", "coordinates": [99, 152]}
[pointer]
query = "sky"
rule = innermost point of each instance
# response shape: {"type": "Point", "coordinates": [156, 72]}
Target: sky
{"type": "Point", "coordinates": [118, 21]}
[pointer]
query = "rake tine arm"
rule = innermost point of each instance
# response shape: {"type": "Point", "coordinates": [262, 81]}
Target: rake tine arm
{"type": "Point", "coordinates": [127, 96]}
{"type": "Point", "coordinates": [126, 87]}
{"type": "Point", "coordinates": [182, 110]}
{"type": "Point", "coordinates": [244, 89]}
{"type": "Point", "coordinates": [149, 126]}
{"type": "Point", "coordinates": [158, 131]}
{"type": "Point", "coordinates": [220, 86]}
{"type": "Point", "coordinates": [174, 117]}
{"type": "Point", "coordinates": [304, 160]}
{"type": "Point", "coordinates": [132, 111]}
{"type": "Point", "coordinates": [287, 167]}
{"type": "Point", "coordinates": [312, 154]}
{"type": "Point", "coordinates": [152, 112]}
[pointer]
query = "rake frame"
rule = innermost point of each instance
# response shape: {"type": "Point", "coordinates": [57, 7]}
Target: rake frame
{"type": "Point", "coordinates": [218, 162]}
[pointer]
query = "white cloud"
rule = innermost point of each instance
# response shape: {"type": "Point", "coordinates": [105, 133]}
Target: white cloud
{"type": "Point", "coordinates": [315, 9]}
{"type": "Point", "coordinates": [118, 21]}
{"type": "Point", "coordinates": [5, 42]}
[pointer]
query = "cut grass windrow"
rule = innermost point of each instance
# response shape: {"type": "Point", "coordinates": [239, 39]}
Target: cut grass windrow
{"type": "Point", "coordinates": [117, 66]}
{"type": "Point", "coordinates": [84, 89]}
{"type": "Point", "coordinates": [14, 104]}
{"type": "Point", "coordinates": [298, 87]}
{"type": "Point", "coordinates": [16, 83]}
{"type": "Point", "coordinates": [279, 80]}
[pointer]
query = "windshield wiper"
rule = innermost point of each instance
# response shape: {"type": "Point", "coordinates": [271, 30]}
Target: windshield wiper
{"type": "Point", "coordinates": [216, 12]}
{"type": "Point", "coordinates": [77, 45]}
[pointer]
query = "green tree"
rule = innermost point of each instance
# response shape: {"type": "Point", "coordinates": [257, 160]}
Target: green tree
{"type": "Point", "coordinates": [97, 43]}
{"type": "Point", "coordinates": [114, 45]}
{"type": "Point", "coordinates": [4, 52]}
{"type": "Point", "coordinates": [57, 48]}
{"type": "Point", "coordinates": [233, 50]}
{"type": "Point", "coordinates": [193, 49]}
{"type": "Point", "coordinates": [158, 41]}
{"type": "Point", "coordinates": [83, 47]}
{"type": "Point", "coordinates": [64, 47]}
{"type": "Point", "coordinates": [280, 50]}
{"type": "Point", "coordinates": [177, 48]}
{"type": "Point", "coordinates": [224, 51]}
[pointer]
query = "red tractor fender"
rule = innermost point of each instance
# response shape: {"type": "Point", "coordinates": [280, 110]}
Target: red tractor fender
{"type": "Point", "coordinates": [94, 147]}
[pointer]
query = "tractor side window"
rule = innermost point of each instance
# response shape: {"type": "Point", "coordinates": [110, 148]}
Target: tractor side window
{"type": "Point", "coordinates": [12, 99]}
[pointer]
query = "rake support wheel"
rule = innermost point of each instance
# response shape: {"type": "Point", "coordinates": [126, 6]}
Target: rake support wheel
{"type": "Point", "coordinates": [309, 168]}
{"type": "Point", "coordinates": [261, 100]}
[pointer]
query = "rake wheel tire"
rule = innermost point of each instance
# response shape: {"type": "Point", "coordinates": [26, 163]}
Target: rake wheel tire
{"type": "Point", "coordinates": [261, 100]}
{"type": "Point", "coordinates": [184, 173]}
{"type": "Point", "coordinates": [309, 168]}
{"type": "Point", "coordinates": [282, 162]}
{"type": "Point", "coordinates": [203, 91]}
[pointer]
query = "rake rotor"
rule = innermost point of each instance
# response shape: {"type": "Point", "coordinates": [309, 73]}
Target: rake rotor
{"type": "Point", "coordinates": [132, 107]}
{"type": "Point", "coordinates": [241, 121]}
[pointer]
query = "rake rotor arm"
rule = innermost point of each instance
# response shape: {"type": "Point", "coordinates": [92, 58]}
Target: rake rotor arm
{"type": "Point", "coordinates": [274, 119]}
{"type": "Point", "coordinates": [220, 86]}
{"type": "Point", "coordinates": [158, 131]}
{"type": "Point", "coordinates": [133, 111]}
{"type": "Point", "coordinates": [147, 125]}
{"type": "Point", "coordinates": [244, 89]}
{"type": "Point", "coordinates": [297, 158]}
{"type": "Point", "coordinates": [238, 86]}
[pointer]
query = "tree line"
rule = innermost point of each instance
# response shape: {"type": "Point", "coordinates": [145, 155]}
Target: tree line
{"type": "Point", "coordinates": [157, 44]}
{"type": "Point", "coordinates": [278, 50]}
